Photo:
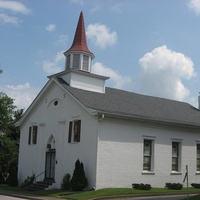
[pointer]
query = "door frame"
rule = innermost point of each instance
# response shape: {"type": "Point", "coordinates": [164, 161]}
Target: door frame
{"type": "Point", "coordinates": [52, 164]}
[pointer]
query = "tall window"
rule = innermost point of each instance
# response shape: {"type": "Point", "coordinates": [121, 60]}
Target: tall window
{"type": "Point", "coordinates": [32, 138]}
{"type": "Point", "coordinates": [198, 157]}
{"type": "Point", "coordinates": [148, 155]}
{"type": "Point", "coordinates": [176, 156]}
{"type": "Point", "coordinates": [74, 131]}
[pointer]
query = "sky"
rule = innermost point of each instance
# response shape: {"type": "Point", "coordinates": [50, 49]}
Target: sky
{"type": "Point", "coordinates": [149, 47]}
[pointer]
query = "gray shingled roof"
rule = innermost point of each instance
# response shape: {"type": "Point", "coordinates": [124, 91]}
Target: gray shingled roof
{"type": "Point", "coordinates": [120, 102]}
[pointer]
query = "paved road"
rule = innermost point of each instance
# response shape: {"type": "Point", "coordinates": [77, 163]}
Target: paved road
{"type": "Point", "coordinates": [3, 197]}
{"type": "Point", "coordinates": [177, 197]}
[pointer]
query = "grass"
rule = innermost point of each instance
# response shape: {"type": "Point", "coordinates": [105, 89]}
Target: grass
{"type": "Point", "coordinates": [126, 191]}
{"type": "Point", "coordinates": [102, 192]}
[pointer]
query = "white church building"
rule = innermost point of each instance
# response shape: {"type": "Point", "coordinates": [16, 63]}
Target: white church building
{"type": "Point", "coordinates": [121, 137]}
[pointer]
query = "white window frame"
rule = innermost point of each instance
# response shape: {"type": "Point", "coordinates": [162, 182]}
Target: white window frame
{"type": "Point", "coordinates": [33, 135]}
{"type": "Point", "coordinates": [198, 157]}
{"type": "Point", "coordinates": [148, 154]}
{"type": "Point", "coordinates": [72, 138]}
{"type": "Point", "coordinates": [176, 154]}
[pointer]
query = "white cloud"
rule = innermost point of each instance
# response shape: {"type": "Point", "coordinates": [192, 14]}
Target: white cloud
{"type": "Point", "coordinates": [23, 94]}
{"type": "Point", "coordinates": [51, 27]}
{"type": "Point", "coordinates": [4, 19]}
{"type": "Point", "coordinates": [53, 66]}
{"type": "Point", "coordinates": [116, 80]}
{"type": "Point", "coordinates": [19, 87]}
{"type": "Point", "coordinates": [101, 35]}
{"type": "Point", "coordinates": [162, 73]}
{"type": "Point", "coordinates": [14, 6]}
{"type": "Point", "coordinates": [194, 5]}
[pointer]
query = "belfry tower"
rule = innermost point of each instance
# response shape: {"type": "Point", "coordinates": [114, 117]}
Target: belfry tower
{"type": "Point", "coordinates": [78, 56]}
{"type": "Point", "coordinates": [78, 63]}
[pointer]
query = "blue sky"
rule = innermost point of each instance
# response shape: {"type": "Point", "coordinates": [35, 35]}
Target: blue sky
{"type": "Point", "coordinates": [145, 46]}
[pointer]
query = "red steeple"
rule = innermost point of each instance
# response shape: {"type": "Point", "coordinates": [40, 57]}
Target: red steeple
{"type": "Point", "coordinates": [80, 42]}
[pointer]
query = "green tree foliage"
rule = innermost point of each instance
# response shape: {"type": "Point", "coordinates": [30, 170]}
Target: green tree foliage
{"type": "Point", "coordinates": [79, 180]}
{"type": "Point", "coordinates": [9, 136]}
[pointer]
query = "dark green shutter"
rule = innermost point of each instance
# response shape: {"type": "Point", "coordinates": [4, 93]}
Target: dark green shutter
{"type": "Point", "coordinates": [29, 136]}
{"type": "Point", "coordinates": [79, 131]}
{"type": "Point", "coordinates": [70, 132]}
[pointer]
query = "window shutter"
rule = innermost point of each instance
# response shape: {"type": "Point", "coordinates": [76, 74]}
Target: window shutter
{"type": "Point", "coordinates": [29, 136]}
{"type": "Point", "coordinates": [68, 61]}
{"type": "Point", "coordinates": [79, 131]}
{"type": "Point", "coordinates": [85, 63]}
{"type": "Point", "coordinates": [76, 60]}
{"type": "Point", "coordinates": [35, 130]}
{"type": "Point", "coordinates": [70, 132]}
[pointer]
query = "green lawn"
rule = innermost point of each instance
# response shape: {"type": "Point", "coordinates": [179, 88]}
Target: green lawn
{"type": "Point", "coordinates": [102, 192]}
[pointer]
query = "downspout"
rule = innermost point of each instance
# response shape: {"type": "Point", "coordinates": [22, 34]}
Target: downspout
{"type": "Point", "coordinates": [97, 142]}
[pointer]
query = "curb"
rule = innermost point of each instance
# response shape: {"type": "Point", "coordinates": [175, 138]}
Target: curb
{"type": "Point", "coordinates": [26, 196]}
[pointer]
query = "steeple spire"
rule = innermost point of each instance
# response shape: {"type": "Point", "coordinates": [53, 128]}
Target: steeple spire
{"type": "Point", "coordinates": [80, 42]}
{"type": "Point", "coordinates": [78, 56]}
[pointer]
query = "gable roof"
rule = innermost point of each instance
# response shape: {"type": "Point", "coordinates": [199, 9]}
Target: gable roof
{"type": "Point", "coordinates": [122, 103]}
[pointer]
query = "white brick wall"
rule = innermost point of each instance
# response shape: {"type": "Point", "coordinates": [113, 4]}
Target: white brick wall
{"type": "Point", "coordinates": [120, 154]}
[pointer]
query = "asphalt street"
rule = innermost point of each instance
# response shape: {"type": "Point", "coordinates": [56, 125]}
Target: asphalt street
{"type": "Point", "coordinates": [3, 197]}
{"type": "Point", "coordinates": [174, 197]}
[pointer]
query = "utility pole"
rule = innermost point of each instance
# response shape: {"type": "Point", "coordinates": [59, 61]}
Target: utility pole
{"type": "Point", "coordinates": [186, 178]}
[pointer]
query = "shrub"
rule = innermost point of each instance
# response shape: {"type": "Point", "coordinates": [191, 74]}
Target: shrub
{"type": "Point", "coordinates": [141, 186]}
{"type": "Point", "coordinates": [28, 181]}
{"type": "Point", "coordinates": [65, 185]}
{"type": "Point", "coordinates": [79, 180]}
{"type": "Point", "coordinates": [12, 178]}
{"type": "Point", "coordinates": [174, 186]}
{"type": "Point", "coordinates": [195, 185]}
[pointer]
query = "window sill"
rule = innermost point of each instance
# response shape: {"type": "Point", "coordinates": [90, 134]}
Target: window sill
{"type": "Point", "coordinates": [176, 173]}
{"type": "Point", "coordinates": [74, 142]}
{"type": "Point", "coordinates": [148, 173]}
{"type": "Point", "coordinates": [197, 173]}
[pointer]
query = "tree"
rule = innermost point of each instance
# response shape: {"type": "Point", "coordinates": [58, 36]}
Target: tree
{"type": "Point", "coordinates": [79, 180]}
{"type": "Point", "coordinates": [9, 135]}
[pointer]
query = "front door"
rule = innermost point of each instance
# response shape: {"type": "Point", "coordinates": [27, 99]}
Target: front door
{"type": "Point", "coordinates": [50, 164]}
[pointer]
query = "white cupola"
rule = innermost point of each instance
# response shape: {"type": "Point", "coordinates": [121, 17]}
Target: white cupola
{"type": "Point", "coordinates": [78, 64]}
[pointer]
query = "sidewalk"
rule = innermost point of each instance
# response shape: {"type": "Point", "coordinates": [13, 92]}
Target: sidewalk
{"type": "Point", "coordinates": [26, 195]}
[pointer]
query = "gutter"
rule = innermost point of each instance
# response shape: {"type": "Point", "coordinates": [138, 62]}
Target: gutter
{"type": "Point", "coordinates": [147, 120]}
